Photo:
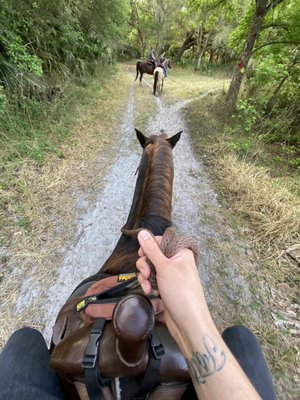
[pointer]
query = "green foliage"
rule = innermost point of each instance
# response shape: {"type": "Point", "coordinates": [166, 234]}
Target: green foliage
{"type": "Point", "coordinates": [269, 70]}
{"type": "Point", "coordinates": [238, 35]}
{"type": "Point", "coordinates": [43, 45]}
{"type": "Point", "coordinates": [247, 114]}
{"type": "Point", "coordinates": [295, 162]}
{"type": "Point", "coordinates": [61, 36]}
{"type": "Point", "coordinates": [152, 23]}
{"type": "Point", "coordinates": [240, 147]}
{"type": "Point", "coordinates": [19, 55]}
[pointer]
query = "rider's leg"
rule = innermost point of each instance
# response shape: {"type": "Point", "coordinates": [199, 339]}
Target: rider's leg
{"type": "Point", "coordinates": [24, 368]}
{"type": "Point", "coordinates": [246, 349]}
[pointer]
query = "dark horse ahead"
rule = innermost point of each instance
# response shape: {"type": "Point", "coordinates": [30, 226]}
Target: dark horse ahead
{"type": "Point", "coordinates": [145, 67]}
{"type": "Point", "coordinates": [77, 340]}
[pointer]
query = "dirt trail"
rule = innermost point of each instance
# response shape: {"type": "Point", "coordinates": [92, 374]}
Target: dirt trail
{"type": "Point", "coordinates": [195, 212]}
{"type": "Point", "coordinates": [225, 259]}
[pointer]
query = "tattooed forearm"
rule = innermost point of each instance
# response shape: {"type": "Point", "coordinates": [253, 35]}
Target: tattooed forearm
{"type": "Point", "coordinates": [206, 363]}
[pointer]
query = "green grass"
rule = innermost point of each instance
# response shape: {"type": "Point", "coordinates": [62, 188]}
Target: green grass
{"type": "Point", "coordinates": [183, 84]}
{"type": "Point", "coordinates": [31, 128]}
{"type": "Point", "coordinates": [31, 131]}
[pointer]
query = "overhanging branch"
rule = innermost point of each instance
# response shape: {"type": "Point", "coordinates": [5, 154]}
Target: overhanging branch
{"type": "Point", "coordinates": [273, 43]}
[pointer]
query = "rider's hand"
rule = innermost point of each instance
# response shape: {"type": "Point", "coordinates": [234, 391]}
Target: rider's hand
{"type": "Point", "coordinates": [214, 371]}
{"type": "Point", "coordinates": [178, 284]}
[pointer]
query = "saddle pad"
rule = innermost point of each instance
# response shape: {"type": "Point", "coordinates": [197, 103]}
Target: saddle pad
{"type": "Point", "coordinates": [104, 307]}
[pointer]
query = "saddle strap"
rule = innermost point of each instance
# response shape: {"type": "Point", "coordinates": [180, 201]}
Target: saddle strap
{"type": "Point", "coordinates": [96, 385]}
{"type": "Point", "coordinates": [151, 378]}
{"type": "Point", "coordinates": [93, 380]}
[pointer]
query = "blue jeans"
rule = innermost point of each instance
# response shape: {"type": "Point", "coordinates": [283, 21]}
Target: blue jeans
{"type": "Point", "coordinates": [24, 369]}
{"type": "Point", "coordinates": [25, 372]}
{"type": "Point", "coordinates": [246, 350]}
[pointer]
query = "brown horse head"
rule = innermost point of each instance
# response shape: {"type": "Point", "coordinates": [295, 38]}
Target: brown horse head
{"type": "Point", "coordinates": [153, 193]}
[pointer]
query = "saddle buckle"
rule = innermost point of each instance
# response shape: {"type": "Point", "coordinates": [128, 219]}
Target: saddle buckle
{"type": "Point", "coordinates": [91, 351]}
{"type": "Point", "coordinates": [158, 351]}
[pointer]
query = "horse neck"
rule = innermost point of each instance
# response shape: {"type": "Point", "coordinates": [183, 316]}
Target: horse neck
{"type": "Point", "coordinates": [151, 207]}
{"type": "Point", "coordinates": [153, 191]}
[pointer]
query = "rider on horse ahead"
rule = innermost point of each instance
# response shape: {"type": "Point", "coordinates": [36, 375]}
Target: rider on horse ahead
{"type": "Point", "coordinates": [152, 58]}
{"type": "Point", "coordinates": [162, 63]}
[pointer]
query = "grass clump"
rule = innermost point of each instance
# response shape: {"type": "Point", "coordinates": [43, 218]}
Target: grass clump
{"type": "Point", "coordinates": [273, 211]}
{"type": "Point", "coordinates": [30, 133]}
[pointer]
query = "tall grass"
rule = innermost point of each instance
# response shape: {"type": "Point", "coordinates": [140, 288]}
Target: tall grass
{"type": "Point", "coordinates": [30, 129]}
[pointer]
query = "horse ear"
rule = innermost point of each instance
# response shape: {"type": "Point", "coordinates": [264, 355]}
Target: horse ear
{"type": "Point", "coordinates": [141, 137]}
{"type": "Point", "coordinates": [174, 139]}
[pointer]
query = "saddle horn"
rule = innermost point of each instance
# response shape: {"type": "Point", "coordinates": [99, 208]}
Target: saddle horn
{"type": "Point", "coordinates": [133, 321]}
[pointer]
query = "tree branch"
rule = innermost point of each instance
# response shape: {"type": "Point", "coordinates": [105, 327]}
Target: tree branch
{"type": "Point", "coordinates": [271, 43]}
{"type": "Point", "coordinates": [281, 26]}
{"type": "Point", "coordinates": [273, 4]}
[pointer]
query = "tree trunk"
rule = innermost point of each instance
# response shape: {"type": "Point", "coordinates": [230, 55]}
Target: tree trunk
{"type": "Point", "coordinates": [255, 28]}
{"type": "Point", "coordinates": [272, 100]}
{"type": "Point", "coordinates": [200, 39]}
{"type": "Point", "coordinates": [203, 50]}
{"type": "Point", "coordinates": [190, 41]}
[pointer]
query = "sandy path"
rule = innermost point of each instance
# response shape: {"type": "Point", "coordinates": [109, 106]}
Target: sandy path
{"type": "Point", "coordinates": [195, 212]}
{"type": "Point", "coordinates": [225, 263]}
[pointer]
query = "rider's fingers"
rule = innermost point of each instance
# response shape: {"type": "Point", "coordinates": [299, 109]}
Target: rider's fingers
{"type": "Point", "coordinates": [143, 267]}
{"type": "Point", "coordinates": [157, 239]}
{"type": "Point", "coordinates": [151, 249]}
{"type": "Point", "coordinates": [145, 284]}
{"type": "Point", "coordinates": [141, 253]}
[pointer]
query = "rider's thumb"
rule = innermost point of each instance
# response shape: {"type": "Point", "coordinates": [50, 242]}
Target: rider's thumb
{"type": "Point", "coordinates": [151, 249]}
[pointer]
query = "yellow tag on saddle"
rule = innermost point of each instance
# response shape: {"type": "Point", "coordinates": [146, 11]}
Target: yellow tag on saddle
{"type": "Point", "coordinates": [126, 277]}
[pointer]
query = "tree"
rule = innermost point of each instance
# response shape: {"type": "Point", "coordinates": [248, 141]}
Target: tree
{"type": "Point", "coordinates": [151, 22]}
{"type": "Point", "coordinates": [41, 37]}
{"type": "Point", "coordinates": [262, 7]}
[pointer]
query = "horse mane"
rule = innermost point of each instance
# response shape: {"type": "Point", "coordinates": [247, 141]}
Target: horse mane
{"type": "Point", "coordinates": [151, 206]}
{"type": "Point", "coordinates": [153, 189]}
